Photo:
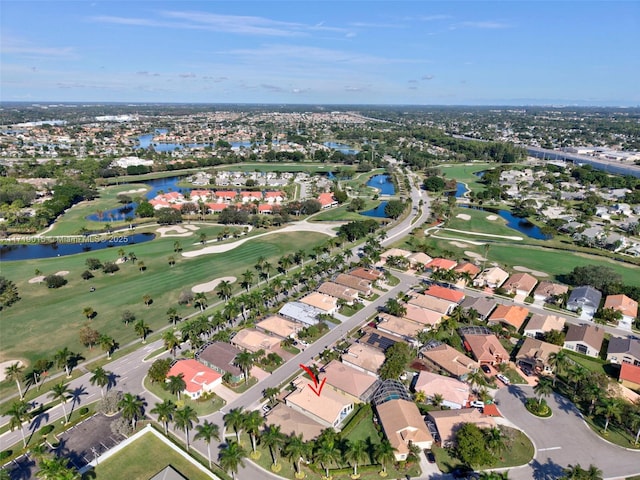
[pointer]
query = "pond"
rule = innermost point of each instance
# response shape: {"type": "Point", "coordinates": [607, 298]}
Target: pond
{"type": "Point", "coordinates": [383, 184]}
{"type": "Point", "coordinates": [377, 212]}
{"type": "Point", "coordinates": [341, 147]}
{"type": "Point", "coordinates": [461, 189]}
{"type": "Point", "coordinates": [87, 244]}
{"type": "Point", "coordinates": [522, 225]}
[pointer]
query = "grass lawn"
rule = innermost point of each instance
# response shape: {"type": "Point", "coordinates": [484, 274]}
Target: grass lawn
{"type": "Point", "coordinates": [513, 376]}
{"type": "Point", "coordinates": [519, 451]}
{"type": "Point", "coordinates": [46, 320]}
{"type": "Point", "coordinates": [349, 310]}
{"type": "Point", "coordinates": [479, 223]}
{"type": "Point", "coordinates": [143, 459]}
{"type": "Point", "coordinates": [595, 365]}
{"type": "Point", "coordinates": [341, 214]}
{"type": "Point", "coordinates": [465, 173]}
{"type": "Point", "coordinates": [202, 408]}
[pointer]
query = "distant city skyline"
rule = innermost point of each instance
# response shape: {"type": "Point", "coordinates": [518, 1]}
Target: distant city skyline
{"type": "Point", "coordinates": [322, 52]}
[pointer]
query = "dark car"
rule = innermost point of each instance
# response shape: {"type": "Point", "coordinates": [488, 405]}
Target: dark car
{"type": "Point", "coordinates": [485, 369]}
{"type": "Point", "coordinates": [431, 458]}
{"type": "Point", "coordinates": [464, 472]}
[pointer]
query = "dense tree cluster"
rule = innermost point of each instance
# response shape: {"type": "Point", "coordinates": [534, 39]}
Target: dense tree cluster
{"type": "Point", "coordinates": [602, 278]}
{"type": "Point", "coordinates": [357, 229]}
{"type": "Point", "coordinates": [394, 208]}
{"type": "Point", "coordinates": [397, 357]}
{"type": "Point", "coordinates": [8, 293]}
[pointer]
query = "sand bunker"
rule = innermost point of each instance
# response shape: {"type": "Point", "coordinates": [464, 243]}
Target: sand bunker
{"type": "Point", "coordinates": [180, 231]}
{"type": "Point", "coordinates": [134, 191]}
{"type": "Point", "coordinates": [210, 286]}
{"type": "Point", "coordinates": [4, 365]}
{"type": "Point", "coordinates": [463, 216]}
{"type": "Point", "coordinates": [62, 273]}
{"type": "Point", "coordinates": [459, 244]}
{"type": "Point", "coordinates": [475, 255]}
{"type": "Point", "coordinates": [520, 268]}
{"type": "Point", "coordinates": [492, 217]}
{"type": "Point", "coordinates": [38, 279]}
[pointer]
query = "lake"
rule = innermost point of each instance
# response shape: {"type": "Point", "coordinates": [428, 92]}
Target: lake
{"type": "Point", "coordinates": [341, 147]}
{"type": "Point", "coordinates": [377, 212]}
{"type": "Point", "coordinates": [522, 225]}
{"type": "Point", "coordinates": [383, 184]}
{"type": "Point", "coordinates": [88, 244]}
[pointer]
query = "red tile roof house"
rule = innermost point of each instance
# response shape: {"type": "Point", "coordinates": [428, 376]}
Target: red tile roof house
{"type": "Point", "coordinates": [630, 376]}
{"type": "Point", "coordinates": [198, 378]}
{"type": "Point", "coordinates": [520, 284]}
{"type": "Point", "coordinates": [327, 200]}
{"type": "Point", "coordinates": [250, 196]}
{"type": "Point", "coordinates": [445, 293]}
{"type": "Point", "coordinates": [226, 196]}
{"type": "Point", "coordinates": [200, 195]}
{"type": "Point", "coordinates": [367, 274]}
{"type": "Point", "coordinates": [625, 305]}
{"type": "Point", "coordinates": [274, 197]}
{"type": "Point", "coordinates": [509, 315]}
{"type": "Point", "coordinates": [217, 207]}
{"type": "Point", "coordinates": [265, 208]}
{"type": "Point", "coordinates": [486, 349]}
{"type": "Point", "coordinates": [441, 264]}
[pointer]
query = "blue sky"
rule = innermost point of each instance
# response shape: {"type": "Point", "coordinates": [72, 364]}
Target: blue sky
{"type": "Point", "coordinates": [345, 52]}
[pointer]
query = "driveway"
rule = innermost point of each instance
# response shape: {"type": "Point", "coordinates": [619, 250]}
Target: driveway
{"type": "Point", "coordinates": [562, 439]}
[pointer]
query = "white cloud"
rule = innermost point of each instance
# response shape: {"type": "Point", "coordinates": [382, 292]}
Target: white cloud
{"type": "Point", "coordinates": [25, 48]}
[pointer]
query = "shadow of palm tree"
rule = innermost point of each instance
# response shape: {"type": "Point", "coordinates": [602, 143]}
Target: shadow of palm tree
{"type": "Point", "coordinates": [546, 471]}
{"type": "Point", "coordinates": [23, 468]}
{"type": "Point", "coordinates": [566, 405]}
{"type": "Point", "coordinates": [112, 379]}
{"type": "Point", "coordinates": [76, 397]}
{"type": "Point", "coordinates": [518, 393]}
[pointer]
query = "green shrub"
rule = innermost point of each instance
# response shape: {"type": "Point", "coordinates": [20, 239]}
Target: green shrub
{"type": "Point", "coordinates": [5, 454]}
{"type": "Point", "coordinates": [84, 410]}
{"type": "Point", "coordinates": [47, 429]}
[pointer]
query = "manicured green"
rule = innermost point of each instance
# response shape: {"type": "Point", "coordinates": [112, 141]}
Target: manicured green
{"type": "Point", "coordinates": [202, 407]}
{"type": "Point", "coordinates": [143, 459]}
{"type": "Point", "coordinates": [479, 223]}
{"type": "Point", "coordinates": [46, 320]}
{"type": "Point", "coordinates": [365, 430]}
{"type": "Point", "coordinates": [341, 214]}
{"type": "Point", "coordinates": [465, 173]}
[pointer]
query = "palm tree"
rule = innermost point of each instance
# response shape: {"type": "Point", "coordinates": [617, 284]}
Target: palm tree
{"type": "Point", "coordinates": [142, 329]}
{"type": "Point", "coordinates": [19, 413]}
{"type": "Point", "coordinates": [176, 384]}
{"type": "Point", "coordinates": [177, 246]}
{"type": "Point", "coordinates": [560, 361]}
{"type": "Point", "coordinates": [88, 312]}
{"type": "Point", "coordinates": [384, 453]}
{"type": "Point", "coordinates": [295, 449]}
{"type": "Point", "coordinates": [634, 422]}
{"type": "Point", "coordinates": [62, 358]}
{"type": "Point", "coordinates": [476, 379]}
{"type": "Point", "coordinates": [235, 419]}
{"type": "Point", "coordinates": [164, 411]}
{"type": "Point", "coordinates": [100, 377]}
{"type": "Point", "coordinates": [419, 396]}
{"type": "Point", "coordinates": [544, 388]}
{"type": "Point", "coordinates": [231, 456]}
{"type": "Point", "coordinates": [108, 344]}
{"type": "Point", "coordinates": [61, 392]}
{"type": "Point", "coordinates": [56, 468]}
{"type": "Point", "coordinates": [576, 374]}
{"type": "Point", "coordinates": [245, 361]}
{"type": "Point", "coordinates": [327, 452]}
{"type": "Point", "coordinates": [437, 400]}
{"type": "Point", "coordinates": [172, 315]}
{"type": "Point", "coordinates": [183, 419]}
{"type": "Point", "coordinates": [271, 393]}
{"type": "Point", "coordinates": [224, 290]}
{"type": "Point", "coordinates": [141, 266]}
{"type": "Point", "coordinates": [146, 299]}
{"type": "Point", "coordinates": [247, 279]}
{"type": "Point", "coordinates": [355, 453]}
{"type": "Point", "coordinates": [132, 407]}
{"type": "Point", "coordinates": [207, 431]}
{"type": "Point", "coordinates": [273, 439]}
{"type": "Point", "coordinates": [14, 372]}
{"type": "Point", "coordinates": [200, 301]}
{"type": "Point", "coordinates": [171, 342]}
{"type": "Point", "coordinates": [609, 408]}
{"type": "Point", "coordinates": [253, 422]}
{"type": "Point", "coordinates": [494, 440]}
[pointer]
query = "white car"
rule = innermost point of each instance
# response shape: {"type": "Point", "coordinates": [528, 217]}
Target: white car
{"type": "Point", "coordinates": [503, 379]}
{"type": "Point", "coordinates": [477, 404]}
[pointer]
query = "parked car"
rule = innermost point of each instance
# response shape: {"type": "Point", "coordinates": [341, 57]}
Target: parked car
{"type": "Point", "coordinates": [266, 409]}
{"type": "Point", "coordinates": [477, 404]}
{"type": "Point", "coordinates": [485, 368]}
{"type": "Point", "coordinates": [503, 379]}
{"type": "Point", "coordinates": [431, 458]}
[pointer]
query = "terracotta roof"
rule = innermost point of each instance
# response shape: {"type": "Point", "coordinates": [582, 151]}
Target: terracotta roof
{"type": "Point", "coordinates": [451, 360]}
{"type": "Point", "coordinates": [398, 326]}
{"type": "Point", "coordinates": [319, 300]}
{"type": "Point", "coordinates": [449, 421]}
{"type": "Point", "coordinates": [520, 281]}
{"type": "Point", "coordinates": [326, 199]}
{"type": "Point", "coordinates": [630, 373]}
{"type": "Point", "coordinates": [452, 390]}
{"type": "Point", "coordinates": [254, 340]}
{"type": "Point", "coordinates": [441, 263]}
{"type": "Point", "coordinates": [346, 378]}
{"type": "Point", "coordinates": [431, 303]}
{"type": "Point", "coordinates": [627, 306]}
{"type": "Point", "coordinates": [367, 274]}
{"type": "Point", "coordinates": [468, 267]}
{"type": "Point", "coordinates": [217, 207]}
{"type": "Point", "coordinates": [545, 323]}
{"type": "Point", "coordinates": [513, 315]}
{"type": "Point", "coordinates": [274, 194]}
{"type": "Point", "coordinates": [338, 291]}
{"type": "Point", "coordinates": [279, 326]}
{"type": "Point", "coordinates": [403, 423]}
{"type": "Point", "coordinates": [196, 375]}
{"type": "Point", "coordinates": [423, 316]}
{"type": "Point", "coordinates": [356, 283]}
{"type": "Point", "coordinates": [486, 348]}
{"type": "Point", "coordinates": [589, 334]}
{"type": "Point", "coordinates": [364, 356]}
{"type": "Point", "coordinates": [445, 293]}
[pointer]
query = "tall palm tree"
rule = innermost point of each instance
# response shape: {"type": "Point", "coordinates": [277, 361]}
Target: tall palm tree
{"type": "Point", "coordinates": [61, 392]}
{"type": "Point", "coordinates": [271, 393]}
{"type": "Point", "coordinates": [609, 408]}
{"type": "Point", "coordinates": [560, 362]}
{"type": "Point", "coordinates": [247, 280]}
{"type": "Point", "coordinates": [224, 290]}
{"type": "Point", "coordinates": [231, 457]}
{"type": "Point", "coordinates": [544, 388]}
{"type": "Point", "coordinates": [132, 407]}
{"type": "Point", "coordinates": [108, 344]}
{"type": "Point", "coordinates": [419, 396]}
{"type": "Point", "coordinates": [295, 449]}
{"type": "Point", "coordinates": [384, 453]}
{"type": "Point", "coordinates": [356, 452]}
{"type": "Point", "coordinates": [14, 372]}
{"type": "Point", "coordinates": [183, 419]}
{"type": "Point", "coordinates": [273, 439]}
{"type": "Point", "coordinates": [56, 468]}
{"type": "Point", "coordinates": [171, 342]}
{"type": "Point", "coordinates": [494, 440]}
{"type": "Point", "coordinates": [253, 423]}
{"type": "Point", "coordinates": [245, 361]}
{"type": "Point", "coordinates": [172, 315]}
{"type": "Point", "coordinates": [18, 414]}
{"type": "Point", "coordinates": [164, 411]}
{"type": "Point", "coordinates": [326, 453]}
{"type": "Point", "coordinates": [477, 379]}
{"type": "Point", "coordinates": [235, 420]}
{"type": "Point", "coordinates": [176, 384]}
{"type": "Point", "coordinates": [207, 431]}
{"type": "Point", "coordinates": [200, 301]}
{"type": "Point", "coordinates": [62, 358]}
{"type": "Point", "coordinates": [100, 377]}
{"type": "Point", "coordinates": [142, 329]}
{"type": "Point", "coordinates": [437, 399]}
